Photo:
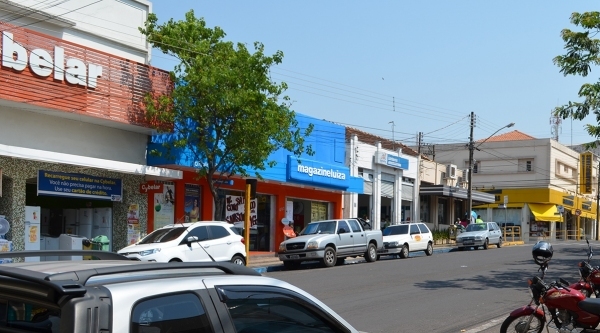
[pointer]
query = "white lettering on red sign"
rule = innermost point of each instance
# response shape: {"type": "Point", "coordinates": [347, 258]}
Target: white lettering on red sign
{"type": "Point", "coordinates": [73, 70]}
{"type": "Point", "coordinates": [150, 187]}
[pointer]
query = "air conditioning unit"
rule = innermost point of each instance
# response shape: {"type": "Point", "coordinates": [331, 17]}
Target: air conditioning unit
{"type": "Point", "coordinates": [451, 171]}
{"type": "Point", "coordinates": [465, 175]}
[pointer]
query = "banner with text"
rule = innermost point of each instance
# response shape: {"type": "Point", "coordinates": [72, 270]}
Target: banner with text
{"type": "Point", "coordinates": [234, 209]}
{"type": "Point", "coordinates": [79, 186]}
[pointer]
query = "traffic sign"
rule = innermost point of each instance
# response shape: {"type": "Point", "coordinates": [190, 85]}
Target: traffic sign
{"type": "Point", "coordinates": [577, 212]}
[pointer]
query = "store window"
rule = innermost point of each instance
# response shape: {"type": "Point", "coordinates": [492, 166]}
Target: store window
{"type": "Point", "coordinates": [441, 211]}
{"type": "Point", "coordinates": [260, 217]}
{"type": "Point", "coordinates": [424, 208]}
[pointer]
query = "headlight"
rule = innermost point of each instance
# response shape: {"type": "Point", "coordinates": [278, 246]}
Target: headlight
{"type": "Point", "coordinates": [479, 237]}
{"type": "Point", "coordinates": [459, 239]}
{"type": "Point", "coordinates": [149, 252]}
{"type": "Point", "coordinates": [394, 244]}
{"type": "Point", "coordinates": [312, 245]}
{"type": "Point", "coordinates": [281, 247]}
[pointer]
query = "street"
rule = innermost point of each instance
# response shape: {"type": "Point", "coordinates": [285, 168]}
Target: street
{"type": "Point", "coordinates": [471, 291]}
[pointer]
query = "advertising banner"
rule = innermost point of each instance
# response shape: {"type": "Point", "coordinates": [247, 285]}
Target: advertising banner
{"type": "Point", "coordinates": [192, 202]}
{"type": "Point", "coordinates": [234, 209]}
{"type": "Point", "coordinates": [164, 212]}
{"type": "Point", "coordinates": [79, 186]}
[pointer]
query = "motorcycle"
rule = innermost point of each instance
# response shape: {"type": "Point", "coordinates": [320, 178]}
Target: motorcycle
{"type": "Point", "coordinates": [589, 282]}
{"type": "Point", "coordinates": [568, 309]}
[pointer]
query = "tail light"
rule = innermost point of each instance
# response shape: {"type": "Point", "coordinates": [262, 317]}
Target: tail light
{"type": "Point", "coordinates": [243, 240]}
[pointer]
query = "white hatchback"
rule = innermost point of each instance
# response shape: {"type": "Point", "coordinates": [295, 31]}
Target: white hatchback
{"type": "Point", "coordinates": [402, 239]}
{"type": "Point", "coordinates": [197, 241]}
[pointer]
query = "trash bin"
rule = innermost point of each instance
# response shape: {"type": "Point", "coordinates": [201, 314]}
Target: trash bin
{"type": "Point", "coordinates": [101, 243]}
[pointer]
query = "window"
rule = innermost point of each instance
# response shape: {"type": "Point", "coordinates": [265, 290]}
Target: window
{"type": "Point", "coordinates": [163, 235]}
{"type": "Point", "coordinates": [182, 313]}
{"type": "Point", "coordinates": [525, 165]}
{"type": "Point", "coordinates": [217, 232]}
{"type": "Point", "coordinates": [423, 227]}
{"type": "Point", "coordinates": [29, 317]}
{"type": "Point", "coordinates": [343, 225]}
{"type": "Point", "coordinates": [200, 232]}
{"type": "Point", "coordinates": [271, 309]}
{"type": "Point", "coordinates": [476, 167]}
{"type": "Point", "coordinates": [354, 225]}
{"type": "Point", "coordinates": [528, 166]}
{"type": "Point", "coordinates": [414, 229]}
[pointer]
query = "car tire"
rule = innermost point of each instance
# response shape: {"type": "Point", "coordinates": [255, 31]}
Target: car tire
{"type": "Point", "coordinates": [486, 244]}
{"type": "Point", "coordinates": [429, 250]}
{"type": "Point", "coordinates": [238, 260]}
{"type": "Point", "coordinates": [371, 254]}
{"type": "Point", "coordinates": [340, 261]}
{"type": "Point", "coordinates": [500, 242]}
{"type": "Point", "coordinates": [289, 265]}
{"type": "Point", "coordinates": [404, 252]}
{"type": "Point", "coordinates": [175, 260]}
{"type": "Point", "coordinates": [329, 257]}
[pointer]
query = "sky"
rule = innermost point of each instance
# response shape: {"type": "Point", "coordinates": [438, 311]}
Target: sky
{"type": "Point", "coordinates": [397, 68]}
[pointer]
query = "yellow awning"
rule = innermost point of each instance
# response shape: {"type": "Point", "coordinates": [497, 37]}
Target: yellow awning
{"type": "Point", "coordinates": [545, 212]}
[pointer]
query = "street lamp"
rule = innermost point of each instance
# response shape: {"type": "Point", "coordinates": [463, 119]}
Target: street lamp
{"type": "Point", "coordinates": [470, 175]}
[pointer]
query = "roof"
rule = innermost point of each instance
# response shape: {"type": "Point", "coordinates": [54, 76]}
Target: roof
{"type": "Point", "coordinates": [372, 139]}
{"type": "Point", "coordinates": [510, 136]}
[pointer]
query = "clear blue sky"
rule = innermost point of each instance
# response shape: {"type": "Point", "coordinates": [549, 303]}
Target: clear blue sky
{"type": "Point", "coordinates": [425, 65]}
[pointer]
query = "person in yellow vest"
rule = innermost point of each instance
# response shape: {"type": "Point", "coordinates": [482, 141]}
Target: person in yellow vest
{"type": "Point", "coordinates": [479, 220]}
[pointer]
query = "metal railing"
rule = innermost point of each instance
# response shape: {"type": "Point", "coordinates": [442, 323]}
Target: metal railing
{"type": "Point", "coordinates": [512, 233]}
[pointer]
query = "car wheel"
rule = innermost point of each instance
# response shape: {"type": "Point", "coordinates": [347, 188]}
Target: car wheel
{"type": "Point", "coordinates": [175, 260]}
{"type": "Point", "coordinates": [371, 254]}
{"type": "Point", "coordinates": [238, 260]}
{"type": "Point", "coordinates": [429, 250]}
{"type": "Point", "coordinates": [486, 244]}
{"type": "Point", "coordinates": [329, 258]}
{"type": "Point", "coordinates": [340, 261]}
{"type": "Point", "coordinates": [404, 251]}
{"type": "Point", "coordinates": [500, 241]}
{"type": "Point", "coordinates": [291, 265]}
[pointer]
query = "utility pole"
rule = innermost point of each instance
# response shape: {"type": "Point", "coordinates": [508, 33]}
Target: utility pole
{"type": "Point", "coordinates": [470, 175]}
{"type": "Point", "coordinates": [417, 187]}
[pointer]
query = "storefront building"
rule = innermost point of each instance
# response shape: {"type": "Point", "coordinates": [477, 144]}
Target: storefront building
{"type": "Point", "coordinates": [73, 133]}
{"type": "Point", "coordinates": [299, 191]}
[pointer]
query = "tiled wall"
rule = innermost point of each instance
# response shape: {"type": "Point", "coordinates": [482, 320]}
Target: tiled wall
{"type": "Point", "coordinates": [12, 203]}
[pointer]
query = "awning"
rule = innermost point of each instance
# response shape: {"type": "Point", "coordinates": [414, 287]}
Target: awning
{"type": "Point", "coordinates": [456, 192]}
{"type": "Point", "coordinates": [545, 212]}
{"type": "Point", "coordinates": [90, 162]}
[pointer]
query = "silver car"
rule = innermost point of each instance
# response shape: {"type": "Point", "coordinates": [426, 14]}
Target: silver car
{"type": "Point", "coordinates": [480, 234]}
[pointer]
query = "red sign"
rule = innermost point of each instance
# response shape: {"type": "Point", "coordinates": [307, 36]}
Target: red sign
{"type": "Point", "coordinates": [577, 212]}
{"type": "Point", "coordinates": [150, 188]}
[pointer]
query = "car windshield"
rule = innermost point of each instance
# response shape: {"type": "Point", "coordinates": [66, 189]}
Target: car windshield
{"type": "Point", "coordinates": [396, 230]}
{"type": "Point", "coordinates": [327, 227]}
{"type": "Point", "coordinates": [163, 235]}
{"type": "Point", "coordinates": [477, 227]}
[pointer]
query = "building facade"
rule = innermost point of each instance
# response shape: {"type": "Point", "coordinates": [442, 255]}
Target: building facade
{"type": "Point", "coordinates": [73, 132]}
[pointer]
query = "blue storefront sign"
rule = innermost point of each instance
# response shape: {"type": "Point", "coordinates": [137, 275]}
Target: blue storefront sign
{"type": "Point", "coordinates": [391, 160]}
{"type": "Point", "coordinates": [315, 172]}
{"type": "Point", "coordinates": [77, 185]}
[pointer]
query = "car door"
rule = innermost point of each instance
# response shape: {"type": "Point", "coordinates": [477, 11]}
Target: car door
{"type": "Point", "coordinates": [218, 243]}
{"type": "Point", "coordinates": [359, 237]}
{"type": "Point", "coordinates": [416, 241]}
{"type": "Point", "coordinates": [345, 239]}
{"type": "Point", "coordinates": [495, 232]}
{"type": "Point", "coordinates": [195, 251]}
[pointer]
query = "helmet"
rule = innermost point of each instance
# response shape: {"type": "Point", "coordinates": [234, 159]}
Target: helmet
{"type": "Point", "coordinates": [542, 252]}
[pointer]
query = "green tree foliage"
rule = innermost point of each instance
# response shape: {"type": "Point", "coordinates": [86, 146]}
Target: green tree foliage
{"type": "Point", "coordinates": [582, 52]}
{"type": "Point", "coordinates": [225, 109]}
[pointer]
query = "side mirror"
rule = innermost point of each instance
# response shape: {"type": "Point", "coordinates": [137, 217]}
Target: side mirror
{"type": "Point", "coordinates": [342, 231]}
{"type": "Point", "coordinates": [191, 239]}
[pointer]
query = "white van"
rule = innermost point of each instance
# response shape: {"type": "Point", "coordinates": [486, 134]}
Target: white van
{"type": "Point", "coordinates": [401, 239]}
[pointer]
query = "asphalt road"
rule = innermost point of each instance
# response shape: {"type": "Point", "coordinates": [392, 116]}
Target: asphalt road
{"type": "Point", "coordinates": [470, 291]}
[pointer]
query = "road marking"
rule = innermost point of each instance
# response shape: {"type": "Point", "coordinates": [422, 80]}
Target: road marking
{"type": "Point", "coordinates": [491, 323]}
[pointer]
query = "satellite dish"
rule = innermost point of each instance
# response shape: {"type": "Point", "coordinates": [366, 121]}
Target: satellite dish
{"type": "Point", "coordinates": [4, 227]}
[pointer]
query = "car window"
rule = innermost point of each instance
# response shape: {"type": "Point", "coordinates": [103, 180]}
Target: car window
{"type": "Point", "coordinates": [327, 227]}
{"type": "Point", "coordinates": [354, 225]}
{"type": "Point", "coordinates": [414, 229]}
{"type": "Point", "coordinates": [163, 235]}
{"type": "Point", "coordinates": [424, 229]}
{"type": "Point", "coordinates": [271, 309]}
{"type": "Point", "coordinates": [29, 316]}
{"type": "Point", "coordinates": [181, 313]}
{"type": "Point", "coordinates": [476, 227]}
{"type": "Point", "coordinates": [343, 225]}
{"type": "Point", "coordinates": [201, 232]}
{"type": "Point", "coordinates": [217, 231]}
{"type": "Point", "coordinates": [396, 230]}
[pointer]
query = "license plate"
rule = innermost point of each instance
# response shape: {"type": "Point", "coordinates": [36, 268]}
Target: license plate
{"type": "Point", "coordinates": [294, 256]}
{"type": "Point", "coordinates": [468, 242]}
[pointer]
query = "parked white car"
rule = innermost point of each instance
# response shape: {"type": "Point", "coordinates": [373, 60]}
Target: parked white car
{"type": "Point", "coordinates": [480, 234]}
{"type": "Point", "coordinates": [402, 239]}
{"type": "Point", "coordinates": [197, 241]}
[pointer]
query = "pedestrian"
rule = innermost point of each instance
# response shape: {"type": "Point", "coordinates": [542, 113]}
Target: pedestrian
{"type": "Point", "coordinates": [479, 220]}
{"type": "Point", "coordinates": [367, 219]}
{"type": "Point", "coordinates": [457, 220]}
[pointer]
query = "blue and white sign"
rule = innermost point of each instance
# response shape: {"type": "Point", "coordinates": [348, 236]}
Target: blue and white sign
{"type": "Point", "coordinates": [391, 160]}
{"type": "Point", "coordinates": [79, 186]}
{"type": "Point", "coordinates": [315, 172]}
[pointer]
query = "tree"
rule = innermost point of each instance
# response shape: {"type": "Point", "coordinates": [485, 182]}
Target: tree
{"type": "Point", "coordinates": [582, 51]}
{"type": "Point", "coordinates": [224, 110]}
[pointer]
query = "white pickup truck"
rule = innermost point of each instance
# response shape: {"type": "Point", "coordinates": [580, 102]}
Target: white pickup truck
{"type": "Point", "coordinates": [331, 242]}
